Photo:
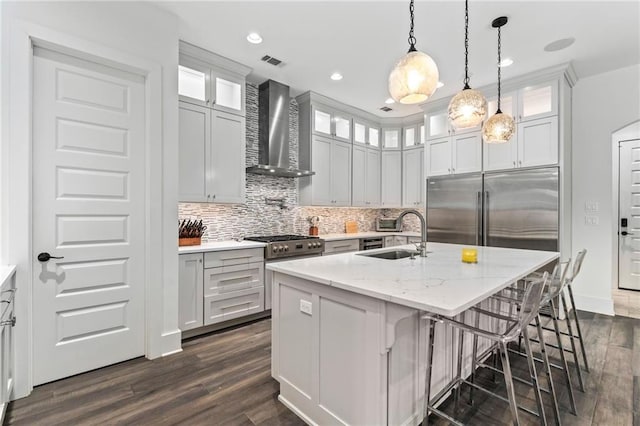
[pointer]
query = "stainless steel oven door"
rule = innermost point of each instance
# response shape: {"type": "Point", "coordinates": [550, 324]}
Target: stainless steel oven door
{"type": "Point", "coordinates": [268, 277]}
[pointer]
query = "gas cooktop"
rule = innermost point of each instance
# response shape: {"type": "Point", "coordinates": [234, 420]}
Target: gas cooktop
{"type": "Point", "coordinates": [279, 238]}
{"type": "Point", "coordinates": [284, 246]}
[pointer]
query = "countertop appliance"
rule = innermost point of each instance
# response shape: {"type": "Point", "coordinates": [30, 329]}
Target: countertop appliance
{"type": "Point", "coordinates": [285, 246]}
{"type": "Point", "coordinates": [514, 209]}
{"type": "Point", "coordinates": [387, 224]}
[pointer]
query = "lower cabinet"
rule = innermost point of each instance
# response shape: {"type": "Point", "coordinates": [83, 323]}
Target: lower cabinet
{"type": "Point", "coordinates": [231, 289]}
{"type": "Point", "coordinates": [190, 273]}
{"type": "Point", "coordinates": [341, 246]}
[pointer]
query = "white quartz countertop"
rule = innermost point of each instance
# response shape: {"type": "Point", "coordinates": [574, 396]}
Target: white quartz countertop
{"type": "Point", "coordinates": [439, 283]}
{"type": "Point", "coordinates": [6, 272]}
{"type": "Point", "coordinates": [220, 246]}
{"type": "Point", "coordinates": [369, 234]}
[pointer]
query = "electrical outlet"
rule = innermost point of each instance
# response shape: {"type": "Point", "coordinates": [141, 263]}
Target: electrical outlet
{"type": "Point", "coordinates": [591, 207]}
{"type": "Point", "coordinates": [591, 220]}
{"type": "Point", "coordinates": [306, 307]}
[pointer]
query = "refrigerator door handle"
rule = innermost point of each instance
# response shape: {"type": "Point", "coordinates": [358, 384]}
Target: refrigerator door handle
{"type": "Point", "coordinates": [478, 215]}
{"type": "Point", "coordinates": [485, 219]}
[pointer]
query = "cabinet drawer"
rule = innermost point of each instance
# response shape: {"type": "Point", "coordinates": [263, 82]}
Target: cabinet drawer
{"type": "Point", "coordinates": [223, 307]}
{"type": "Point", "coordinates": [341, 246]}
{"type": "Point", "coordinates": [232, 278]}
{"type": "Point", "coordinates": [216, 259]}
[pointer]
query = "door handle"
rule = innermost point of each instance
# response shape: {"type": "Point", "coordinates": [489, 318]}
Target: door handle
{"type": "Point", "coordinates": [478, 214]}
{"type": "Point", "coordinates": [485, 219]}
{"type": "Point", "coordinates": [45, 257]}
{"type": "Point", "coordinates": [625, 233]}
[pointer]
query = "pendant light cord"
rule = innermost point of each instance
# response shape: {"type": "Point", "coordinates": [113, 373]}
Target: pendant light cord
{"type": "Point", "coordinates": [466, 45]}
{"type": "Point", "coordinates": [499, 69]}
{"type": "Point", "coordinates": [412, 39]}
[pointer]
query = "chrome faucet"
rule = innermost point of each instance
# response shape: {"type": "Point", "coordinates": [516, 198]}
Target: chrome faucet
{"type": "Point", "coordinates": [422, 246]}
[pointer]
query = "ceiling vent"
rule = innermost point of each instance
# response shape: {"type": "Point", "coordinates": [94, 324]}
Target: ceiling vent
{"type": "Point", "coordinates": [271, 60]}
{"type": "Point", "coordinates": [386, 109]}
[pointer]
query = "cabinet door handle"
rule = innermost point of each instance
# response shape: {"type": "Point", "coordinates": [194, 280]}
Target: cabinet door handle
{"type": "Point", "coordinates": [453, 170]}
{"type": "Point", "coordinates": [520, 162]}
{"type": "Point", "coordinates": [449, 170]}
{"type": "Point", "coordinates": [514, 164]}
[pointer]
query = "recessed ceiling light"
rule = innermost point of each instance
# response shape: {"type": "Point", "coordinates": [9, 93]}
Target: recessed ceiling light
{"type": "Point", "coordinates": [439, 85]}
{"type": "Point", "coordinates": [389, 101]}
{"type": "Point", "coordinates": [506, 62]}
{"type": "Point", "coordinates": [254, 38]}
{"type": "Point", "coordinates": [563, 43]}
{"type": "Point", "coordinates": [336, 76]}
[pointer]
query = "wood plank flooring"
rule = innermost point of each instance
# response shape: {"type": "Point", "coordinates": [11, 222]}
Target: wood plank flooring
{"type": "Point", "coordinates": [225, 379]}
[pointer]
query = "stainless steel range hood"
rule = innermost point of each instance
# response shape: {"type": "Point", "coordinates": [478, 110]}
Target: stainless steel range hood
{"type": "Point", "coordinates": [273, 129]}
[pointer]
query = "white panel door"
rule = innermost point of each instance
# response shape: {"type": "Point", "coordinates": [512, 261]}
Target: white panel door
{"type": "Point", "coordinates": [629, 235]}
{"type": "Point", "coordinates": [538, 142]}
{"type": "Point", "coordinates": [439, 157]}
{"type": "Point", "coordinates": [373, 178]}
{"type": "Point", "coordinates": [194, 155]}
{"type": "Point", "coordinates": [227, 171]}
{"type": "Point", "coordinates": [391, 179]}
{"type": "Point", "coordinates": [341, 174]}
{"type": "Point", "coordinates": [412, 178]}
{"type": "Point", "coordinates": [190, 291]}
{"type": "Point", "coordinates": [89, 209]}
{"type": "Point", "coordinates": [321, 164]}
{"type": "Point", "coordinates": [467, 153]}
{"type": "Point", "coordinates": [359, 177]}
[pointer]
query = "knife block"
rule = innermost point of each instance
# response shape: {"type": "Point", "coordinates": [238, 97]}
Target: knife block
{"type": "Point", "coordinates": [196, 241]}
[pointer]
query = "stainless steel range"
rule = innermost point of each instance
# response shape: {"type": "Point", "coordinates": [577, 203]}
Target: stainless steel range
{"type": "Point", "coordinates": [284, 246]}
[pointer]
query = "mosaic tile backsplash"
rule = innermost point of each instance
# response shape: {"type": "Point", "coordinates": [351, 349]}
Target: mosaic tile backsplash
{"type": "Point", "coordinates": [261, 217]}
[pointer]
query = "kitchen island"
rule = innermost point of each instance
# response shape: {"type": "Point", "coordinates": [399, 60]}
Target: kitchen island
{"type": "Point", "coordinates": [348, 345]}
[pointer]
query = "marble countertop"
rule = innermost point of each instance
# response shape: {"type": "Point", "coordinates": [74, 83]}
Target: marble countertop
{"type": "Point", "coordinates": [220, 246]}
{"type": "Point", "coordinates": [6, 272]}
{"type": "Point", "coordinates": [439, 283]}
{"type": "Point", "coordinates": [368, 234]}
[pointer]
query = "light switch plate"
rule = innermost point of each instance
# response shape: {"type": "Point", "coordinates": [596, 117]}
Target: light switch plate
{"type": "Point", "coordinates": [306, 307]}
{"type": "Point", "coordinates": [591, 220]}
{"type": "Point", "coordinates": [591, 207]}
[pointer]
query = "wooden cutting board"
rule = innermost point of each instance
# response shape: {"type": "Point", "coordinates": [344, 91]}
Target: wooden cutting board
{"type": "Point", "coordinates": [351, 227]}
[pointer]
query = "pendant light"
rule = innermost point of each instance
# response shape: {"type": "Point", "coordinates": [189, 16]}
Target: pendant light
{"type": "Point", "coordinates": [415, 76]}
{"type": "Point", "coordinates": [469, 107]}
{"type": "Point", "coordinates": [500, 127]}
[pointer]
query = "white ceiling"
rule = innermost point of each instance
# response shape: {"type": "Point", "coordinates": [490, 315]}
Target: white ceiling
{"type": "Point", "coordinates": [364, 39]}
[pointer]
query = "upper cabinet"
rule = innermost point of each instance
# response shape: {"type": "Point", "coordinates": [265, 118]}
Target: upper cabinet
{"type": "Point", "coordinates": [536, 141]}
{"type": "Point", "coordinates": [205, 84]}
{"type": "Point", "coordinates": [211, 128]}
{"type": "Point", "coordinates": [365, 189]}
{"type": "Point", "coordinates": [413, 181]}
{"type": "Point", "coordinates": [365, 133]}
{"type": "Point", "coordinates": [391, 188]}
{"type": "Point", "coordinates": [459, 153]}
{"type": "Point", "coordinates": [413, 135]}
{"type": "Point", "coordinates": [331, 123]}
{"type": "Point", "coordinates": [391, 138]}
{"type": "Point", "coordinates": [331, 184]}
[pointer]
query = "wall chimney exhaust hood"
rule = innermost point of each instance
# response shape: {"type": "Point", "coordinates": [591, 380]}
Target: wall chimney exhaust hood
{"type": "Point", "coordinates": [273, 129]}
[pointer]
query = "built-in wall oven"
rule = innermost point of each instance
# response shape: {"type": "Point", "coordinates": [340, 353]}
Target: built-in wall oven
{"type": "Point", "coordinates": [281, 248]}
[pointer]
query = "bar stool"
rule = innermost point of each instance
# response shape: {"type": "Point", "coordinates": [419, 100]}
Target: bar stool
{"type": "Point", "coordinates": [514, 327]}
{"type": "Point", "coordinates": [577, 264]}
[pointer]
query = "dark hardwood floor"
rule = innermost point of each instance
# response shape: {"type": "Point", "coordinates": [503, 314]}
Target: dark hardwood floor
{"type": "Point", "coordinates": [225, 379]}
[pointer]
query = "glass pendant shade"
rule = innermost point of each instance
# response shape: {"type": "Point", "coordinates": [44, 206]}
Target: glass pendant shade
{"type": "Point", "coordinates": [467, 109]}
{"type": "Point", "coordinates": [499, 128]}
{"type": "Point", "coordinates": [414, 78]}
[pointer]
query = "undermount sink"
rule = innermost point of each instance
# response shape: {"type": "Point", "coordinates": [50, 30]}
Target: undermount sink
{"type": "Point", "coordinates": [392, 254]}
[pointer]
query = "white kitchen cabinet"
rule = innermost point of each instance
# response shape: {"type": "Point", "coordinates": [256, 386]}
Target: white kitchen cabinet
{"type": "Point", "coordinates": [391, 138]}
{"type": "Point", "coordinates": [538, 101]}
{"type": "Point", "coordinates": [227, 173]}
{"type": "Point", "coordinates": [413, 135]}
{"type": "Point", "coordinates": [360, 134]}
{"type": "Point", "coordinates": [536, 143]}
{"type": "Point", "coordinates": [190, 291]}
{"type": "Point", "coordinates": [365, 187]}
{"type": "Point", "coordinates": [206, 84]}
{"type": "Point", "coordinates": [395, 240]}
{"type": "Point", "coordinates": [236, 304]}
{"type": "Point", "coordinates": [194, 155]}
{"type": "Point", "coordinates": [459, 153]}
{"type": "Point", "coordinates": [341, 246]}
{"type": "Point", "coordinates": [391, 175]}
{"type": "Point", "coordinates": [331, 161]}
{"type": "Point", "coordinates": [211, 156]}
{"type": "Point", "coordinates": [413, 177]}
{"type": "Point", "coordinates": [331, 123]}
{"type": "Point", "coordinates": [374, 136]}
{"type": "Point", "coordinates": [439, 126]}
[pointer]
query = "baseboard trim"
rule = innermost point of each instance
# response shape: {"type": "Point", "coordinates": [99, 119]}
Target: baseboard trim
{"type": "Point", "coordinates": [594, 304]}
{"type": "Point", "coordinates": [171, 343]}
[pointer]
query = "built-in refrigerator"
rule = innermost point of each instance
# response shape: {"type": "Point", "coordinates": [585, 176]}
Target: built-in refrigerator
{"type": "Point", "coordinates": [515, 209]}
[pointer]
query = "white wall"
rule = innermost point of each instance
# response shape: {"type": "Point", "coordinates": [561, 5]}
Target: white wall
{"type": "Point", "coordinates": [602, 104]}
{"type": "Point", "coordinates": [140, 30]}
